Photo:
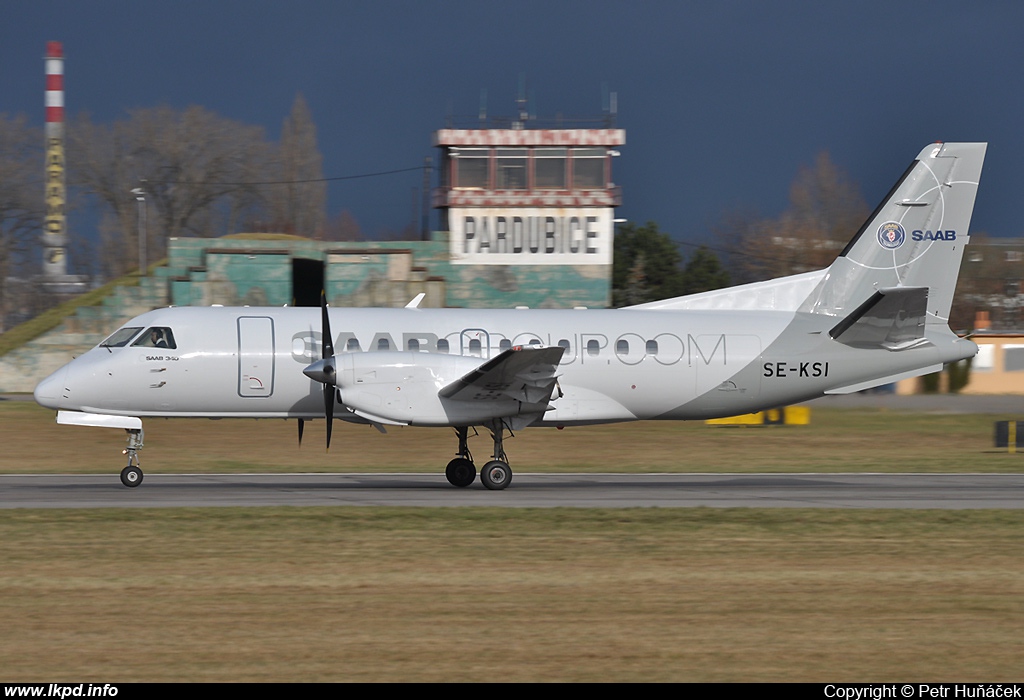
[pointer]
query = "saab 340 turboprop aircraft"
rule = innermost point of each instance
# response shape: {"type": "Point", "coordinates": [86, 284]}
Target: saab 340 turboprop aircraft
{"type": "Point", "coordinates": [878, 314]}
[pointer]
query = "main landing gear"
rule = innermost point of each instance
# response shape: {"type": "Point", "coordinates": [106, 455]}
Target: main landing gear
{"type": "Point", "coordinates": [131, 475]}
{"type": "Point", "coordinates": [496, 474]}
{"type": "Point", "coordinates": [461, 471]}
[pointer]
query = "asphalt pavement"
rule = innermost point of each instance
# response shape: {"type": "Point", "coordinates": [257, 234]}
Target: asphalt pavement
{"type": "Point", "coordinates": [942, 491]}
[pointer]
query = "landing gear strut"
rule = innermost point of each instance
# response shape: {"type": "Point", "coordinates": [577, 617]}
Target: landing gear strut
{"type": "Point", "coordinates": [132, 475]}
{"type": "Point", "coordinates": [461, 471]}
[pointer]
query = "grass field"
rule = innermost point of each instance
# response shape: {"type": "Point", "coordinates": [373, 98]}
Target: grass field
{"type": "Point", "coordinates": [836, 441]}
{"type": "Point", "coordinates": [356, 594]}
{"type": "Point", "coordinates": [388, 594]}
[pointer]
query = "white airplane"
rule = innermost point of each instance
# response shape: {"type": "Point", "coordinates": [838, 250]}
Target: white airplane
{"type": "Point", "coordinates": [878, 314]}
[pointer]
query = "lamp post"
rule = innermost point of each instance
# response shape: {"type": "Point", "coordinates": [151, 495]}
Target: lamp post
{"type": "Point", "coordinates": [140, 197]}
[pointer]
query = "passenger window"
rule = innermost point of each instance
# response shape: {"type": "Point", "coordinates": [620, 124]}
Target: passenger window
{"type": "Point", "coordinates": [414, 344]}
{"type": "Point", "coordinates": [622, 347]}
{"type": "Point", "coordinates": [352, 345]}
{"type": "Point", "coordinates": [505, 344]}
{"type": "Point", "coordinates": [383, 344]}
{"type": "Point", "coordinates": [442, 345]}
{"type": "Point", "coordinates": [652, 347]}
{"type": "Point", "coordinates": [593, 347]}
{"type": "Point", "coordinates": [156, 337]}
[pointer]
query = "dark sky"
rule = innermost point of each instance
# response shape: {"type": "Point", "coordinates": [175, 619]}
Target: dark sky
{"type": "Point", "coordinates": [722, 102]}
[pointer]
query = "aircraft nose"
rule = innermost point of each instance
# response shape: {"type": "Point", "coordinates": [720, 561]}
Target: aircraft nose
{"type": "Point", "coordinates": [50, 391]}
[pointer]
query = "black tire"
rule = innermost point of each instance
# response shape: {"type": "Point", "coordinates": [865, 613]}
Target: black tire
{"type": "Point", "coordinates": [460, 472]}
{"type": "Point", "coordinates": [496, 475]}
{"type": "Point", "coordinates": [131, 476]}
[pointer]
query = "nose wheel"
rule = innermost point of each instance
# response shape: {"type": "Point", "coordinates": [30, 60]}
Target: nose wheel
{"type": "Point", "coordinates": [131, 475]}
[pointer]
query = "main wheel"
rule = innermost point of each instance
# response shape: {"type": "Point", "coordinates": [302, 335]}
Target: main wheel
{"type": "Point", "coordinates": [460, 472]}
{"type": "Point", "coordinates": [131, 476]}
{"type": "Point", "coordinates": [496, 475]}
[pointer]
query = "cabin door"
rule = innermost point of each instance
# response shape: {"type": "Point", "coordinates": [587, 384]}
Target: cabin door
{"type": "Point", "coordinates": [255, 356]}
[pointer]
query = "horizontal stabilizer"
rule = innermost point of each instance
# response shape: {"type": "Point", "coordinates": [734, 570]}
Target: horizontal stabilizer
{"type": "Point", "coordinates": [892, 319]}
{"type": "Point", "coordinates": [524, 373]}
{"type": "Point", "coordinates": [881, 381]}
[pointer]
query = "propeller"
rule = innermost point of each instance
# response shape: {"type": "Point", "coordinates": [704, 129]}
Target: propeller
{"type": "Point", "coordinates": [324, 370]}
{"type": "Point", "coordinates": [328, 355]}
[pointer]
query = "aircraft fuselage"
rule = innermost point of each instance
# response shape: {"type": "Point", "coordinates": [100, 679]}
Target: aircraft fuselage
{"type": "Point", "coordinates": [616, 365]}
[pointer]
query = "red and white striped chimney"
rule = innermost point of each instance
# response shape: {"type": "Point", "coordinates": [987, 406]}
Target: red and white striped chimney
{"type": "Point", "coordinates": [54, 82]}
{"type": "Point", "coordinates": [55, 223]}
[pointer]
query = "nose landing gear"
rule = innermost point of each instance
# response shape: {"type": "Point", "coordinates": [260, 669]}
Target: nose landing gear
{"type": "Point", "coordinates": [131, 475]}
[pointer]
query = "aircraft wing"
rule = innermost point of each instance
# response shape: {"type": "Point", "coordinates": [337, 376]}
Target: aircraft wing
{"type": "Point", "coordinates": [524, 373]}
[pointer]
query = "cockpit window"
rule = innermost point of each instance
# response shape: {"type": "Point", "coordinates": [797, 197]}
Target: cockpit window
{"type": "Point", "coordinates": [120, 337]}
{"type": "Point", "coordinates": [156, 337]}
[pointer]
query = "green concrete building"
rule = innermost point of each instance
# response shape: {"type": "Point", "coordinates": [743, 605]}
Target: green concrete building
{"type": "Point", "coordinates": [267, 270]}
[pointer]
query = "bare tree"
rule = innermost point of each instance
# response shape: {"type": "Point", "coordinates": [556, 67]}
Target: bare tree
{"type": "Point", "coordinates": [298, 204]}
{"type": "Point", "coordinates": [825, 211]}
{"type": "Point", "coordinates": [343, 227]}
{"type": "Point", "coordinates": [200, 174]}
{"type": "Point", "coordinates": [991, 280]}
{"type": "Point", "coordinates": [21, 209]}
{"type": "Point", "coordinates": [751, 254]}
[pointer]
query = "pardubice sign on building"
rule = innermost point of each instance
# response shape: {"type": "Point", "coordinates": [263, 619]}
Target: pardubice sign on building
{"type": "Point", "coordinates": [531, 236]}
{"type": "Point", "coordinates": [529, 196]}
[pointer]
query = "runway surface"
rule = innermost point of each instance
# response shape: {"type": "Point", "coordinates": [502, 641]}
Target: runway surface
{"type": "Point", "coordinates": [947, 491]}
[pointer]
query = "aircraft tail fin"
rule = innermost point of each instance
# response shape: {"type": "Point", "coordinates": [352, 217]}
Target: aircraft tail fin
{"type": "Point", "coordinates": [914, 239]}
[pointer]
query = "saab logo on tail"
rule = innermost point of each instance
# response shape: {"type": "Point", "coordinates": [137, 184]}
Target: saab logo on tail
{"type": "Point", "coordinates": [933, 235]}
{"type": "Point", "coordinates": [891, 235]}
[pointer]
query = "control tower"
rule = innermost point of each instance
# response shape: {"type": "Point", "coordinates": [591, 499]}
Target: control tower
{"type": "Point", "coordinates": [519, 196]}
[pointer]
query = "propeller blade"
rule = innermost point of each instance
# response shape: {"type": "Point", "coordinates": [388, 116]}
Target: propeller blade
{"type": "Point", "coordinates": [329, 410]}
{"type": "Point", "coordinates": [302, 424]}
{"type": "Point", "coordinates": [328, 353]}
{"type": "Point", "coordinates": [328, 342]}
